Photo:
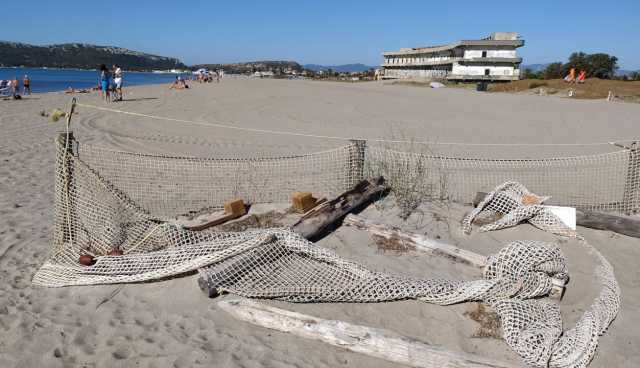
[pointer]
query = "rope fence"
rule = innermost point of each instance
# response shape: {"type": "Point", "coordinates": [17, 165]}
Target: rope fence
{"type": "Point", "coordinates": [167, 186]}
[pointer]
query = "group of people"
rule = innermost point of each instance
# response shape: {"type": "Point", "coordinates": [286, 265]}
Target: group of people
{"type": "Point", "coordinates": [179, 83]}
{"type": "Point", "coordinates": [207, 77]}
{"type": "Point", "coordinates": [571, 77]}
{"type": "Point", "coordinates": [109, 88]}
{"type": "Point", "coordinates": [12, 87]}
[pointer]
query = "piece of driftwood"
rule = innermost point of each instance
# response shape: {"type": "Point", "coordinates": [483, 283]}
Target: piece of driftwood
{"type": "Point", "coordinates": [420, 242]}
{"type": "Point", "coordinates": [232, 210]}
{"type": "Point", "coordinates": [596, 220]}
{"type": "Point", "coordinates": [312, 224]}
{"type": "Point", "coordinates": [374, 342]}
{"type": "Point", "coordinates": [604, 221]}
{"type": "Point", "coordinates": [212, 277]}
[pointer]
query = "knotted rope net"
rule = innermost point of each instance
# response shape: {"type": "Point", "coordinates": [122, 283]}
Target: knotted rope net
{"type": "Point", "coordinates": [108, 199]}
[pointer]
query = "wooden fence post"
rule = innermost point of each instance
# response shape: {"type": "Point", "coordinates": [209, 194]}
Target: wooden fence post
{"type": "Point", "coordinates": [356, 169]}
{"type": "Point", "coordinates": [64, 149]}
{"type": "Point", "coordinates": [631, 201]}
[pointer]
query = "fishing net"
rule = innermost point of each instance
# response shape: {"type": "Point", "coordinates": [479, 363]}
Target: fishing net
{"type": "Point", "coordinates": [108, 200]}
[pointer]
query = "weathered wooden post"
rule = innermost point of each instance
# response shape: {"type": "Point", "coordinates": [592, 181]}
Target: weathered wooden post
{"type": "Point", "coordinates": [356, 160]}
{"type": "Point", "coordinates": [64, 151]}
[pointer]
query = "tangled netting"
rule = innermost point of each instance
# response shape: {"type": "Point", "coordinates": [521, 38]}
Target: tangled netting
{"type": "Point", "coordinates": [99, 210]}
{"type": "Point", "coordinates": [514, 204]}
{"type": "Point", "coordinates": [533, 328]}
{"type": "Point", "coordinates": [298, 271]}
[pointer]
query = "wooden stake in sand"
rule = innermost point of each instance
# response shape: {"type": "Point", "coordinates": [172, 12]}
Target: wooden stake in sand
{"type": "Point", "coordinates": [420, 242]}
{"type": "Point", "coordinates": [374, 342]}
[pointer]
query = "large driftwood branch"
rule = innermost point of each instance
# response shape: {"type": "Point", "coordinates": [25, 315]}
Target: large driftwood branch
{"type": "Point", "coordinates": [420, 242]}
{"type": "Point", "coordinates": [596, 220]}
{"type": "Point", "coordinates": [374, 342]}
{"type": "Point", "coordinates": [315, 222]}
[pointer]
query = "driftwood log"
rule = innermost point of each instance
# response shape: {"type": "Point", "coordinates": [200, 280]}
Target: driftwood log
{"type": "Point", "coordinates": [596, 220]}
{"type": "Point", "coordinates": [604, 221]}
{"type": "Point", "coordinates": [374, 342]}
{"type": "Point", "coordinates": [312, 225]}
{"type": "Point", "coordinates": [420, 242]}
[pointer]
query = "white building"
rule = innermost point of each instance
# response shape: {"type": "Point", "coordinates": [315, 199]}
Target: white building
{"type": "Point", "coordinates": [493, 58]}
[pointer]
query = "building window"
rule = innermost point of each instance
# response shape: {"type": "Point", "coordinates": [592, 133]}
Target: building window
{"type": "Point", "coordinates": [484, 54]}
{"type": "Point", "coordinates": [487, 71]}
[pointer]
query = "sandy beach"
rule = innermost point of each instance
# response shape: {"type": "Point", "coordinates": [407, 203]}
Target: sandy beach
{"type": "Point", "coordinates": [171, 323]}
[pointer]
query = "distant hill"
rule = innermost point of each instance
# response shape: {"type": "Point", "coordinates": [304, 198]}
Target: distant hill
{"type": "Point", "coordinates": [82, 56]}
{"type": "Point", "coordinates": [535, 67]}
{"type": "Point", "coordinates": [276, 66]}
{"type": "Point", "coordinates": [623, 72]}
{"type": "Point", "coordinates": [346, 68]}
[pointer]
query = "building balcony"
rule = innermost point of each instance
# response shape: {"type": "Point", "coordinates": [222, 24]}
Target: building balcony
{"type": "Point", "coordinates": [491, 60]}
{"type": "Point", "coordinates": [491, 77]}
{"type": "Point", "coordinates": [428, 62]}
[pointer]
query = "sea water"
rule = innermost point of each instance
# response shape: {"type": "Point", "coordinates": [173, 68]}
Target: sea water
{"type": "Point", "coordinates": [52, 80]}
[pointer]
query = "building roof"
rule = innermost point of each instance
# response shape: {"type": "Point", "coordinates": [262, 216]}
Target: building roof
{"type": "Point", "coordinates": [432, 49]}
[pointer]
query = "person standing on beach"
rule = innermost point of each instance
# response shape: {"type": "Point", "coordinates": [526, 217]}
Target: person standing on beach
{"type": "Point", "coordinates": [104, 82]}
{"type": "Point", "coordinates": [26, 85]}
{"type": "Point", "coordinates": [117, 79]}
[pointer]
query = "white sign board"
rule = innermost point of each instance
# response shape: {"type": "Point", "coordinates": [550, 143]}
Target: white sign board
{"type": "Point", "coordinates": [566, 214]}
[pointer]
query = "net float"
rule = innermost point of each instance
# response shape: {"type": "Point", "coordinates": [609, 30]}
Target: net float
{"type": "Point", "coordinates": [87, 260]}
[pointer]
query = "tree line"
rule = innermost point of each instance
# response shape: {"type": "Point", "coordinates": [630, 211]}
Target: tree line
{"type": "Point", "coordinates": [598, 65]}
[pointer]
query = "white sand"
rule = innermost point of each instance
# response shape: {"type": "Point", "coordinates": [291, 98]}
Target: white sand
{"type": "Point", "coordinates": [171, 323]}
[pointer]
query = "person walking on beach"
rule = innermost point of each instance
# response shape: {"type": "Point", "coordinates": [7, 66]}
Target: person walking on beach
{"type": "Point", "coordinates": [104, 82]}
{"type": "Point", "coordinates": [582, 76]}
{"type": "Point", "coordinates": [26, 85]}
{"type": "Point", "coordinates": [571, 78]}
{"type": "Point", "coordinates": [117, 79]}
{"type": "Point", "coordinates": [15, 84]}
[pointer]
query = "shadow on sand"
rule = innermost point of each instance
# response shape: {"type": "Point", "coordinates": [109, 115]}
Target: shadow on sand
{"type": "Point", "coordinates": [138, 99]}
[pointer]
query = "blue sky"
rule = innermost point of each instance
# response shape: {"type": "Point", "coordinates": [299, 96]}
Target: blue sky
{"type": "Point", "coordinates": [325, 32]}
